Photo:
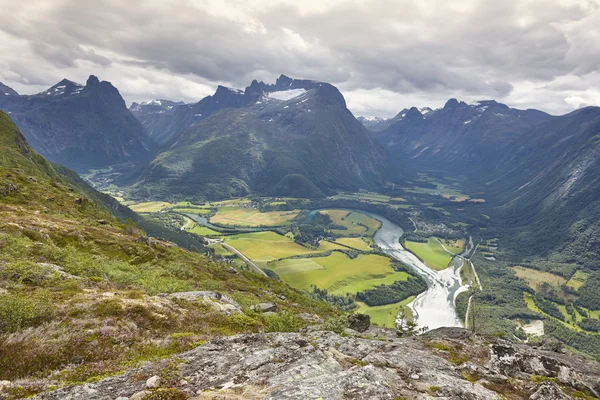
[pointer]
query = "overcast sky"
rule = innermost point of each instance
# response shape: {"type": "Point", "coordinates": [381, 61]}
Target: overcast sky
{"type": "Point", "coordinates": [384, 55]}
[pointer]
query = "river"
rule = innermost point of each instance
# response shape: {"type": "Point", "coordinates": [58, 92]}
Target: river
{"type": "Point", "coordinates": [435, 307]}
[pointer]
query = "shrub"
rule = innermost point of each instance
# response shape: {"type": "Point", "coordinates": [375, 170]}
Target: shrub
{"type": "Point", "coordinates": [282, 322]}
{"type": "Point", "coordinates": [18, 311]}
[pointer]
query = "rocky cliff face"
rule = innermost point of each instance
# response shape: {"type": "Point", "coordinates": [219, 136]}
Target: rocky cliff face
{"type": "Point", "coordinates": [78, 126]}
{"type": "Point", "coordinates": [447, 363]}
{"type": "Point", "coordinates": [458, 136]}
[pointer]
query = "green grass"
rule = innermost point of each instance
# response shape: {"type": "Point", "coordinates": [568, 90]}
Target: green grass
{"type": "Point", "coordinates": [150, 206]}
{"type": "Point", "coordinates": [453, 246]}
{"type": "Point", "coordinates": [356, 223]}
{"type": "Point", "coordinates": [384, 315]}
{"type": "Point", "coordinates": [338, 273]}
{"type": "Point", "coordinates": [356, 243]}
{"type": "Point", "coordinates": [294, 265]}
{"type": "Point", "coordinates": [193, 210]}
{"type": "Point", "coordinates": [364, 196]}
{"type": "Point", "coordinates": [578, 279]}
{"type": "Point", "coordinates": [239, 216]}
{"type": "Point", "coordinates": [262, 247]}
{"type": "Point", "coordinates": [203, 231]}
{"type": "Point", "coordinates": [534, 277]}
{"type": "Point", "coordinates": [220, 250]}
{"type": "Point", "coordinates": [432, 253]}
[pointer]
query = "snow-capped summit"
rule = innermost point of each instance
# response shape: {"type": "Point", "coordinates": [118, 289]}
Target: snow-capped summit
{"type": "Point", "coordinates": [64, 87]}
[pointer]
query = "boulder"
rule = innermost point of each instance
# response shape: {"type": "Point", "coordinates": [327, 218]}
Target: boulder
{"type": "Point", "coordinates": [153, 382]}
{"type": "Point", "coordinates": [205, 294]}
{"type": "Point", "coordinates": [359, 322]}
{"type": "Point", "coordinates": [549, 391]}
{"type": "Point", "coordinates": [265, 307]}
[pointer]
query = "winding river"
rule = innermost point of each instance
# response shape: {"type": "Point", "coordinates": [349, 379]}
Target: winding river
{"type": "Point", "coordinates": [435, 307]}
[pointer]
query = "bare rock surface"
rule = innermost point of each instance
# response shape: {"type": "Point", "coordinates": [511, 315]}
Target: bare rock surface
{"type": "Point", "coordinates": [452, 365]}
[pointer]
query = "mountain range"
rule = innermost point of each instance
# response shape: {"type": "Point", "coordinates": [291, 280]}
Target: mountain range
{"type": "Point", "coordinates": [81, 127]}
{"type": "Point", "coordinates": [292, 138]}
{"type": "Point", "coordinates": [457, 136]}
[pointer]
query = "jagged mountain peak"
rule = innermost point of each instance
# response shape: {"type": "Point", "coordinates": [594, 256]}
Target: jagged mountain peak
{"type": "Point", "coordinates": [64, 87]}
{"type": "Point", "coordinates": [92, 81]}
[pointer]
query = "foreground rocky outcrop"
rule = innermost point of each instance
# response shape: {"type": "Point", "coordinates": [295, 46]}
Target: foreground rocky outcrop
{"type": "Point", "coordinates": [445, 363]}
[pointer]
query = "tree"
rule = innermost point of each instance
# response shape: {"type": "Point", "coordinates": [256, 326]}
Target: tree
{"type": "Point", "coordinates": [407, 326]}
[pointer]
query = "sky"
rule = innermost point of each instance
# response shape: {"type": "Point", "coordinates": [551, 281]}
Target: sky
{"type": "Point", "coordinates": [384, 55]}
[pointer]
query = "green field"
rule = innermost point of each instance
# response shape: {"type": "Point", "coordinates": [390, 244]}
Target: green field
{"type": "Point", "coordinates": [578, 279]}
{"type": "Point", "coordinates": [250, 217]}
{"type": "Point", "coordinates": [338, 273]}
{"type": "Point", "coordinates": [262, 247]}
{"type": "Point", "coordinates": [356, 243]}
{"type": "Point", "coordinates": [384, 315]}
{"type": "Point", "coordinates": [534, 277]}
{"type": "Point", "coordinates": [354, 222]}
{"type": "Point", "coordinates": [203, 231]}
{"type": "Point", "coordinates": [432, 253]}
{"type": "Point", "coordinates": [150, 206]}
{"type": "Point", "coordinates": [220, 250]}
{"type": "Point", "coordinates": [363, 196]}
{"type": "Point", "coordinates": [193, 210]}
{"type": "Point", "coordinates": [453, 246]}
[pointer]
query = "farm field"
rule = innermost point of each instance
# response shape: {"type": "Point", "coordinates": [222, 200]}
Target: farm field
{"type": "Point", "coordinates": [534, 277]}
{"type": "Point", "coordinates": [251, 217]}
{"type": "Point", "coordinates": [356, 243]}
{"type": "Point", "coordinates": [365, 196]}
{"type": "Point", "coordinates": [192, 210]}
{"type": "Point", "coordinates": [338, 273]}
{"type": "Point", "coordinates": [384, 315]}
{"type": "Point", "coordinates": [203, 231]}
{"type": "Point", "coordinates": [351, 221]}
{"type": "Point", "coordinates": [454, 246]}
{"type": "Point", "coordinates": [150, 206]}
{"type": "Point", "coordinates": [432, 253]}
{"type": "Point", "coordinates": [220, 250]}
{"type": "Point", "coordinates": [262, 247]}
{"type": "Point", "coordinates": [578, 279]}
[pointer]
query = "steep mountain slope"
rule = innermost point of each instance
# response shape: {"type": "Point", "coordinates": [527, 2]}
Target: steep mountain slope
{"type": "Point", "coordinates": [7, 91]}
{"type": "Point", "coordinates": [548, 189]}
{"type": "Point", "coordinates": [295, 138]}
{"type": "Point", "coordinates": [81, 127]}
{"type": "Point", "coordinates": [78, 287]}
{"type": "Point", "coordinates": [164, 119]}
{"type": "Point", "coordinates": [457, 136]}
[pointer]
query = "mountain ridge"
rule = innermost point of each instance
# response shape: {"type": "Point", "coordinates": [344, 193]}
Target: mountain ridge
{"type": "Point", "coordinates": [79, 126]}
{"type": "Point", "coordinates": [294, 133]}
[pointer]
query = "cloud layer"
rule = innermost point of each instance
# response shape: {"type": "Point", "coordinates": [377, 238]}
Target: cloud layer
{"type": "Point", "coordinates": [383, 54]}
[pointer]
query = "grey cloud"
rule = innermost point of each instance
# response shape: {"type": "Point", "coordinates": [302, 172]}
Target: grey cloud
{"type": "Point", "coordinates": [422, 51]}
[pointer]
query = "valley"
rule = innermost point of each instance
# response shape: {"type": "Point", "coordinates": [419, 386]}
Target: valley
{"type": "Point", "coordinates": [283, 200]}
{"type": "Point", "coordinates": [344, 255]}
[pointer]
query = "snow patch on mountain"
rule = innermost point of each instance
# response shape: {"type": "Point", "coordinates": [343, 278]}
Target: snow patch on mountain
{"type": "Point", "coordinates": [285, 95]}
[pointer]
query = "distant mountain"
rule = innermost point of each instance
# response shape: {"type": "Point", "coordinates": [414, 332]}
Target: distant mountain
{"type": "Point", "coordinates": [375, 124]}
{"type": "Point", "coordinates": [164, 119]}
{"type": "Point", "coordinates": [547, 190]}
{"type": "Point", "coordinates": [7, 91]}
{"type": "Point", "coordinates": [78, 126]}
{"type": "Point", "coordinates": [457, 136]}
{"type": "Point", "coordinates": [293, 138]}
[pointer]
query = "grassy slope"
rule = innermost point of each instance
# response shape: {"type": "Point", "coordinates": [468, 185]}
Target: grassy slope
{"type": "Point", "coordinates": [101, 317]}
